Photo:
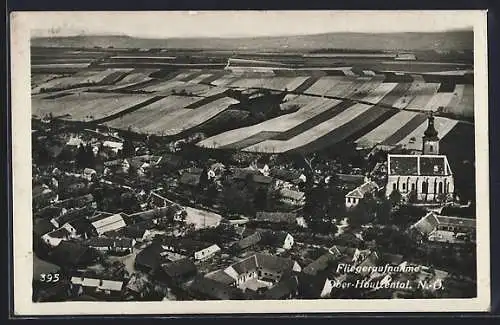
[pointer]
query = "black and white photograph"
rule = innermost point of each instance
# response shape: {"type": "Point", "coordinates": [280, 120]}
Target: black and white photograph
{"type": "Point", "coordinates": [205, 162]}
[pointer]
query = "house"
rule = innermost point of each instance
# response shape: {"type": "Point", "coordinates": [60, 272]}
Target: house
{"type": "Point", "coordinates": [76, 202]}
{"type": "Point", "coordinates": [292, 197]}
{"type": "Point", "coordinates": [54, 238]}
{"type": "Point", "coordinates": [285, 289]}
{"type": "Point", "coordinates": [155, 200]}
{"type": "Point", "coordinates": [277, 217]}
{"type": "Point", "coordinates": [112, 245]}
{"type": "Point", "coordinates": [322, 263]}
{"type": "Point", "coordinates": [196, 249]}
{"type": "Point", "coordinates": [114, 146]}
{"type": "Point", "coordinates": [149, 259]}
{"type": "Point", "coordinates": [72, 254]}
{"type": "Point", "coordinates": [290, 176]}
{"type": "Point", "coordinates": [139, 231]}
{"type": "Point", "coordinates": [205, 288]}
{"type": "Point", "coordinates": [105, 222]}
{"type": "Point", "coordinates": [278, 239]}
{"type": "Point", "coordinates": [179, 271]}
{"type": "Point", "coordinates": [94, 285]}
{"type": "Point", "coordinates": [249, 241]}
{"type": "Point", "coordinates": [259, 270]}
{"type": "Point", "coordinates": [72, 215]}
{"type": "Point", "coordinates": [355, 196]}
{"type": "Point", "coordinates": [446, 229]}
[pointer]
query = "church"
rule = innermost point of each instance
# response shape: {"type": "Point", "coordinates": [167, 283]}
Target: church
{"type": "Point", "coordinates": [427, 174]}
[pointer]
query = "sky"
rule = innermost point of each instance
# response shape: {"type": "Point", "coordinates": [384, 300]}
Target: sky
{"type": "Point", "coordinates": [243, 23]}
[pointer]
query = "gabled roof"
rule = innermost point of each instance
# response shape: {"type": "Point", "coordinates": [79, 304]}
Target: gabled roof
{"type": "Point", "coordinates": [362, 190]}
{"type": "Point", "coordinates": [220, 276]}
{"type": "Point", "coordinates": [456, 221]}
{"type": "Point", "coordinates": [321, 263]}
{"type": "Point", "coordinates": [69, 253]}
{"type": "Point", "coordinates": [282, 290]}
{"type": "Point", "coordinates": [288, 217]}
{"type": "Point", "coordinates": [179, 268]}
{"type": "Point", "coordinates": [291, 194]}
{"type": "Point", "coordinates": [250, 240]}
{"type": "Point", "coordinates": [427, 224]}
{"type": "Point", "coordinates": [213, 289]}
{"type": "Point", "coordinates": [109, 242]}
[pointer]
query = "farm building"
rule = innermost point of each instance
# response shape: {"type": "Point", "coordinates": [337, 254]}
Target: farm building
{"type": "Point", "coordinates": [355, 196]}
{"type": "Point", "coordinates": [446, 229]}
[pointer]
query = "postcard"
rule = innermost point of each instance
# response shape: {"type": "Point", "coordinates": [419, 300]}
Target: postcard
{"type": "Point", "coordinates": [230, 162]}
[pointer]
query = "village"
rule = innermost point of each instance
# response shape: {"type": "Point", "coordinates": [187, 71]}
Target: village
{"type": "Point", "coordinates": [118, 217]}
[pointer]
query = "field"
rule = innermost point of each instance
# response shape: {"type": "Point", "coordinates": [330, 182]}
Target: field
{"type": "Point", "coordinates": [364, 98]}
{"type": "Point", "coordinates": [85, 106]}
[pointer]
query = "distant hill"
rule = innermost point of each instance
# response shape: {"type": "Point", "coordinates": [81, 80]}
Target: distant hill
{"type": "Point", "coordinates": [454, 40]}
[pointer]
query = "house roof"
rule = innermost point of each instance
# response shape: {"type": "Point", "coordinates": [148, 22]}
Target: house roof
{"type": "Point", "coordinates": [109, 242]}
{"type": "Point", "coordinates": [261, 179]}
{"type": "Point", "coordinates": [250, 240]}
{"type": "Point", "coordinates": [220, 276]}
{"type": "Point", "coordinates": [150, 256]}
{"type": "Point", "coordinates": [427, 224]}
{"type": "Point", "coordinates": [291, 194]}
{"type": "Point", "coordinates": [321, 263]}
{"type": "Point", "coordinates": [362, 190]}
{"type": "Point", "coordinates": [106, 223]}
{"type": "Point", "coordinates": [283, 289]}
{"type": "Point", "coordinates": [456, 221]}
{"type": "Point", "coordinates": [286, 175]}
{"type": "Point", "coordinates": [214, 290]}
{"type": "Point", "coordinates": [287, 217]}
{"type": "Point", "coordinates": [103, 284]}
{"type": "Point", "coordinates": [347, 178]}
{"type": "Point", "coordinates": [274, 238]}
{"type": "Point", "coordinates": [69, 253]}
{"type": "Point", "coordinates": [179, 268]}
{"type": "Point", "coordinates": [59, 233]}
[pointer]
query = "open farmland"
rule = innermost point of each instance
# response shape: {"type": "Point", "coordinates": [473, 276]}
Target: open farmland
{"type": "Point", "coordinates": [282, 123]}
{"type": "Point", "coordinates": [80, 79]}
{"type": "Point", "coordinates": [171, 115]}
{"type": "Point", "coordinates": [148, 114]}
{"type": "Point", "coordinates": [85, 106]}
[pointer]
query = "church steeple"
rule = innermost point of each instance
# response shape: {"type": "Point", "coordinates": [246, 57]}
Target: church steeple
{"type": "Point", "coordinates": [431, 132]}
{"type": "Point", "coordinates": [430, 140]}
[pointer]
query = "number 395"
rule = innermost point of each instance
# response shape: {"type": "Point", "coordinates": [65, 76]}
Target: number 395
{"type": "Point", "coordinates": [49, 277]}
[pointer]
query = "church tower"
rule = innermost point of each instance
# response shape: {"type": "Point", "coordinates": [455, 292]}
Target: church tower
{"type": "Point", "coordinates": [430, 143]}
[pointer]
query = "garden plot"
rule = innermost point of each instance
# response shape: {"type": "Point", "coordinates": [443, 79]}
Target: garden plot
{"type": "Point", "coordinates": [340, 89]}
{"type": "Point", "coordinates": [366, 88]}
{"type": "Point", "coordinates": [86, 106]}
{"type": "Point", "coordinates": [150, 113]}
{"type": "Point", "coordinates": [437, 101]}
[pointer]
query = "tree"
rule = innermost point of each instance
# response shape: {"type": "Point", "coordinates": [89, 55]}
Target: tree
{"type": "Point", "coordinates": [81, 156]}
{"type": "Point", "coordinates": [128, 147]}
{"type": "Point", "coordinates": [395, 197]}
